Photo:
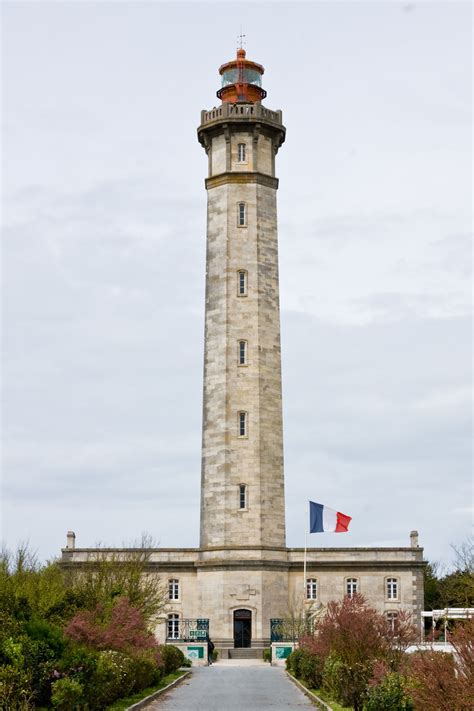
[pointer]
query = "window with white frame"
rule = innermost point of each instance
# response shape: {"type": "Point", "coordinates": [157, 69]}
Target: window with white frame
{"type": "Point", "coordinates": [392, 620]}
{"type": "Point", "coordinates": [242, 496]}
{"type": "Point", "coordinates": [241, 157]}
{"type": "Point", "coordinates": [243, 424]}
{"type": "Point", "coordinates": [242, 214]}
{"type": "Point", "coordinates": [311, 589]}
{"type": "Point", "coordinates": [351, 587]}
{"type": "Point", "coordinates": [173, 589]}
{"type": "Point", "coordinates": [242, 283]}
{"type": "Point", "coordinates": [173, 626]}
{"type": "Point", "coordinates": [242, 352]}
{"type": "Point", "coordinates": [392, 588]}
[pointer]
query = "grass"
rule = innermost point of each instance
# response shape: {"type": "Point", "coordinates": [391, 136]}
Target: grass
{"type": "Point", "coordinates": [122, 704]}
{"type": "Point", "coordinates": [333, 704]}
{"type": "Point", "coordinates": [324, 696]}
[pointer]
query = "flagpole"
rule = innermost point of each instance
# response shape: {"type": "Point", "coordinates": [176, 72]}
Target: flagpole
{"type": "Point", "coordinates": [304, 560]}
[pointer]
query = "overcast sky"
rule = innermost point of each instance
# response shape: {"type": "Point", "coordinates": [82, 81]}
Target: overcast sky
{"type": "Point", "coordinates": [104, 229]}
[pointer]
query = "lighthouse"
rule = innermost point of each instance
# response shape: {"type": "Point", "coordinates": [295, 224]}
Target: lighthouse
{"type": "Point", "coordinates": [242, 487]}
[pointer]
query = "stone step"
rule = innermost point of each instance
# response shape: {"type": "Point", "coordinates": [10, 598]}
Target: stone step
{"type": "Point", "coordinates": [232, 663]}
{"type": "Point", "coordinates": [246, 653]}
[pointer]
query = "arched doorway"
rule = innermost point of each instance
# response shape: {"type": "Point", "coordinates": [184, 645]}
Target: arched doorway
{"type": "Point", "coordinates": [242, 628]}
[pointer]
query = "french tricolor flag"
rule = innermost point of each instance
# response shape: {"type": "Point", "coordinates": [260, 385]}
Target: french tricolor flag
{"type": "Point", "coordinates": [322, 519]}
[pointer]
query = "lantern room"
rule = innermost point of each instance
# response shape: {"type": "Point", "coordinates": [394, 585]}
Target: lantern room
{"type": "Point", "coordinates": [241, 81]}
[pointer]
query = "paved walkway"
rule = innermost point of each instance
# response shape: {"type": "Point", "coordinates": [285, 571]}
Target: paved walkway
{"type": "Point", "coordinates": [236, 687]}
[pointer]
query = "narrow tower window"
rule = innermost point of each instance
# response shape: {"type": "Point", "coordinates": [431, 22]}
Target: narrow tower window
{"type": "Point", "coordinates": [242, 352]}
{"type": "Point", "coordinates": [243, 424]}
{"type": "Point", "coordinates": [242, 214]}
{"type": "Point", "coordinates": [242, 291]}
{"type": "Point", "coordinates": [351, 587]}
{"type": "Point", "coordinates": [241, 153]}
{"type": "Point", "coordinates": [173, 589]}
{"type": "Point", "coordinates": [311, 589]}
{"type": "Point", "coordinates": [242, 496]}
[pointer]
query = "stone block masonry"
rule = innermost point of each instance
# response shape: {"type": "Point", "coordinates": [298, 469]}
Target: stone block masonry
{"type": "Point", "coordinates": [242, 443]}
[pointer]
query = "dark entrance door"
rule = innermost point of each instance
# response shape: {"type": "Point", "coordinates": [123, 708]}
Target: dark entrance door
{"type": "Point", "coordinates": [242, 628]}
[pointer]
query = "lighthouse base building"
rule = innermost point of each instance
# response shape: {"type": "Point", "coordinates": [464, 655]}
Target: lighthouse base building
{"type": "Point", "coordinates": [243, 579]}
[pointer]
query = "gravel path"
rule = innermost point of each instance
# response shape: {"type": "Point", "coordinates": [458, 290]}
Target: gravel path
{"type": "Point", "coordinates": [234, 688]}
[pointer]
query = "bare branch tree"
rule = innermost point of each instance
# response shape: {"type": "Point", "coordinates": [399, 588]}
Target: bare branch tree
{"type": "Point", "coordinates": [127, 572]}
{"type": "Point", "coordinates": [464, 555]}
{"type": "Point", "coordinates": [299, 618]}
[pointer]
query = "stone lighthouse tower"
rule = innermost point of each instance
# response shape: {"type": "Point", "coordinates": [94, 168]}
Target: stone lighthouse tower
{"type": "Point", "coordinates": [242, 488]}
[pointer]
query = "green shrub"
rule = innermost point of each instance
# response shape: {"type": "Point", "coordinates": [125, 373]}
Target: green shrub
{"type": "Point", "coordinates": [267, 655]}
{"type": "Point", "coordinates": [112, 679]}
{"type": "Point", "coordinates": [49, 635]}
{"type": "Point", "coordinates": [33, 657]}
{"type": "Point", "coordinates": [188, 663]}
{"type": "Point", "coordinates": [15, 688]}
{"type": "Point", "coordinates": [40, 659]}
{"type": "Point", "coordinates": [79, 662]}
{"type": "Point", "coordinates": [172, 657]}
{"type": "Point", "coordinates": [9, 626]}
{"type": "Point", "coordinates": [311, 669]}
{"type": "Point", "coordinates": [346, 683]}
{"type": "Point", "coordinates": [389, 695]}
{"type": "Point", "coordinates": [145, 671]}
{"type": "Point", "coordinates": [66, 693]}
{"type": "Point", "coordinates": [215, 656]}
{"type": "Point", "coordinates": [293, 662]}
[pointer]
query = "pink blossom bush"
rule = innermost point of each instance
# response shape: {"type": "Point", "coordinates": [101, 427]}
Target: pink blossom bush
{"type": "Point", "coordinates": [122, 628]}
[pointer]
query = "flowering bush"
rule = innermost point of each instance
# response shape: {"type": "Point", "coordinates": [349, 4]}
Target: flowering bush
{"type": "Point", "coordinates": [122, 628]}
{"type": "Point", "coordinates": [112, 679]}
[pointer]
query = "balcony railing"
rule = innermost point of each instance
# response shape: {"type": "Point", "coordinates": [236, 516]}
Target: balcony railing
{"type": "Point", "coordinates": [187, 630]}
{"type": "Point", "coordinates": [240, 111]}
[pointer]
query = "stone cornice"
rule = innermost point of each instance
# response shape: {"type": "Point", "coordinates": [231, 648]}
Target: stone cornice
{"type": "Point", "coordinates": [298, 551]}
{"type": "Point", "coordinates": [345, 566]}
{"type": "Point", "coordinates": [241, 178]}
{"type": "Point", "coordinates": [367, 565]}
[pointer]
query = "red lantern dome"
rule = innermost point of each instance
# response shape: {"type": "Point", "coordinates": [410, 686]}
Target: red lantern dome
{"type": "Point", "coordinates": [241, 81]}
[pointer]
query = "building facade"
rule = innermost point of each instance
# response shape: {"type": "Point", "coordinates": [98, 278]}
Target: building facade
{"type": "Point", "coordinates": [243, 576]}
